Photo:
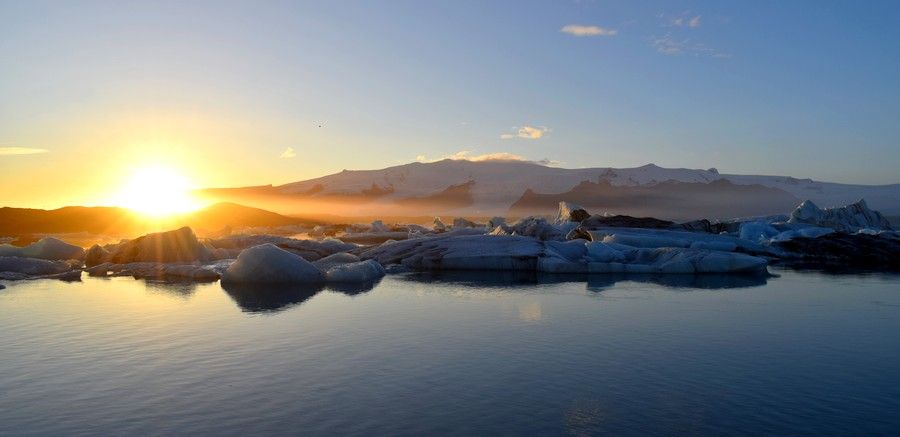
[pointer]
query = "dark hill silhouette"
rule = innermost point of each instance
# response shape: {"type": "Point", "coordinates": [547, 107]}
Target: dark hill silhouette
{"type": "Point", "coordinates": [17, 222]}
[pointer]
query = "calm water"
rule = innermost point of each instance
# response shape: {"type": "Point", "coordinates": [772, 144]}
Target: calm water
{"type": "Point", "coordinates": [803, 353]}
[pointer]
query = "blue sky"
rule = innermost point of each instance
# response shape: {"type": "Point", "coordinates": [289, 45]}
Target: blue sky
{"type": "Point", "coordinates": [808, 89]}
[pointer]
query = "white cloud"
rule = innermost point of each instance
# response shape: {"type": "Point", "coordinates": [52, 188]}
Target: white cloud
{"type": "Point", "coordinates": [527, 132]}
{"type": "Point", "coordinates": [581, 30]}
{"type": "Point", "coordinates": [288, 153]}
{"type": "Point", "coordinates": [687, 21]}
{"type": "Point", "coordinates": [21, 151]}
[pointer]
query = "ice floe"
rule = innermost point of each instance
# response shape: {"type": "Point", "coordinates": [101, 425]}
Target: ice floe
{"type": "Point", "coordinates": [360, 271]}
{"type": "Point", "coordinates": [267, 263]}
{"type": "Point", "coordinates": [852, 217]}
{"type": "Point", "coordinates": [48, 248]}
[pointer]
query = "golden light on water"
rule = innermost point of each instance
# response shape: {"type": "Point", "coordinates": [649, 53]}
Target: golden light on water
{"type": "Point", "coordinates": [157, 191]}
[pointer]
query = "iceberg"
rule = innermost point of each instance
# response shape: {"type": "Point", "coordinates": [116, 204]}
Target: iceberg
{"type": "Point", "coordinates": [32, 266]}
{"type": "Point", "coordinates": [157, 271]}
{"type": "Point", "coordinates": [308, 249]}
{"type": "Point", "coordinates": [570, 212]}
{"type": "Point", "coordinates": [335, 260]}
{"type": "Point", "coordinates": [180, 245]}
{"type": "Point", "coordinates": [360, 271]}
{"type": "Point", "coordinates": [849, 218]}
{"type": "Point", "coordinates": [48, 248]}
{"type": "Point", "coordinates": [96, 255]}
{"type": "Point", "coordinates": [515, 252]}
{"type": "Point", "coordinates": [603, 252]}
{"type": "Point", "coordinates": [269, 264]}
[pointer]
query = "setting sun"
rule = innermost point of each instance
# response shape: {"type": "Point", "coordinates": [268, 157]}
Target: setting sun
{"type": "Point", "coordinates": [157, 191]}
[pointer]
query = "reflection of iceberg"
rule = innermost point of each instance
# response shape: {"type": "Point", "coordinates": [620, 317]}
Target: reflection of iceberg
{"type": "Point", "coordinates": [479, 278]}
{"type": "Point", "coordinates": [353, 288]}
{"type": "Point", "coordinates": [706, 282]}
{"type": "Point", "coordinates": [595, 282]}
{"type": "Point", "coordinates": [261, 298]}
{"type": "Point", "coordinates": [178, 289]}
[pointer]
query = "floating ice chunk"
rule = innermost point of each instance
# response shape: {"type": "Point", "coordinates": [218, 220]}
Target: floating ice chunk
{"type": "Point", "coordinates": [308, 249]}
{"type": "Point", "coordinates": [644, 240]}
{"type": "Point", "coordinates": [537, 227]}
{"type": "Point", "coordinates": [570, 212]}
{"type": "Point", "coordinates": [757, 231]}
{"type": "Point", "coordinates": [496, 221]}
{"type": "Point", "coordinates": [333, 260]}
{"type": "Point", "coordinates": [560, 265]}
{"type": "Point", "coordinates": [361, 271]}
{"type": "Point", "coordinates": [180, 245]}
{"type": "Point", "coordinates": [678, 261]}
{"type": "Point", "coordinates": [808, 232]}
{"type": "Point", "coordinates": [574, 250]}
{"type": "Point", "coordinates": [32, 266]}
{"type": "Point", "coordinates": [369, 238]}
{"type": "Point", "coordinates": [461, 252]}
{"type": "Point", "coordinates": [268, 263]}
{"type": "Point", "coordinates": [378, 226]}
{"type": "Point", "coordinates": [848, 218]}
{"type": "Point", "coordinates": [159, 271]}
{"type": "Point", "coordinates": [653, 238]}
{"type": "Point", "coordinates": [723, 246]}
{"type": "Point", "coordinates": [498, 231]}
{"type": "Point", "coordinates": [417, 228]}
{"type": "Point", "coordinates": [96, 255]}
{"type": "Point", "coordinates": [439, 226]}
{"type": "Point", "coordinates": [50, 248]}
{"type": "Point", "coordinates": [47, 248]}
{"type": "Point", "coordinates": [602, 252]}
{"type": "Point", "coordinates": [460, 222]}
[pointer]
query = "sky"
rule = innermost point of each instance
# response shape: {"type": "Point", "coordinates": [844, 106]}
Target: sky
{"type": "Point", "coordinates": [265, 92]}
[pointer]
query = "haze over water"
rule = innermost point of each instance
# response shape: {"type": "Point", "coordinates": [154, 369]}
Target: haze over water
{"type": "Point", "coordinates": [803, 353]}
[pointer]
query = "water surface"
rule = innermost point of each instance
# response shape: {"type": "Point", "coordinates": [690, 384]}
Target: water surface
{"type": "Point", "coordinates": [802, 353]}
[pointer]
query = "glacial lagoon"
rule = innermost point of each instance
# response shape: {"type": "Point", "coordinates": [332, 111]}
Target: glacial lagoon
{"type": "Point", "coordinates": [455, 354]}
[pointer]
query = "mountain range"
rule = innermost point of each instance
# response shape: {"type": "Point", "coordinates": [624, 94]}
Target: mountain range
{"type": "Point", "coordinates": [485, 188]}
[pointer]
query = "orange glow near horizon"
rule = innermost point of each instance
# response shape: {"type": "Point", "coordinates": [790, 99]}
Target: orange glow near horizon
{"type": "Point", "coordinates": [157, 191]}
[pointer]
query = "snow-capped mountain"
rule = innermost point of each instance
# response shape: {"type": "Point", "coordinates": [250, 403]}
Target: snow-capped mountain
{"type": "Point", "coordinates": [501, 183]}
{"type": "Point", "coordinates": [486, 188]}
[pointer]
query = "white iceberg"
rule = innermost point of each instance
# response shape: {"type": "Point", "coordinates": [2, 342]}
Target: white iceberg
{"type": "Point", "coordinates": [180, 245]}
{"type": "Point", "coordinates": [570, 212]}
{"type": "Point", "coordinates": [32, 266]}
{"type": "Point", "coordinates": [269, 264]}
{"type": "Point", "coordinates": [603, 252]}
{"type": "Point", "coordinates": [47, 248]}
{"type": "Point", "coordinates": [361, 271]}
{"type": "Point", "coordinates": [334, 260]}
{"type": "Point", "coordinates": [849, 218]}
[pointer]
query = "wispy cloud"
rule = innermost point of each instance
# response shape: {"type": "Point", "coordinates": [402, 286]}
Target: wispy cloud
{"type": "Point", "coordinates": [466, 155]}
{"type": "Point", "coordinates": [582, 30]}
{"type": "Point", "coordinates": [527, 132]}
{"type": "Point", "coordinates": [288, 153]}
{"type": "Point", "coordinates": [21, 151]}
{"type": "Point", "coordinates": [687, 21]}
{"type": "Point", "coordinates": [669, 45]}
